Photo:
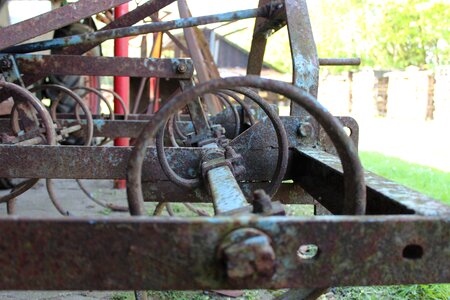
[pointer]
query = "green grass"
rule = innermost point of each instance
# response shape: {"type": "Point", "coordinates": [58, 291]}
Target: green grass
{"type": "Point", "coordinates": [429, 181]}
{"type": "Point", "coordinates": [409, 292]}
{"type": "Point", "coordinates": [432, 182]}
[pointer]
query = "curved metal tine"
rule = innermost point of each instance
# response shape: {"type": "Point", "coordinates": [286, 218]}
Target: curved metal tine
{"type": "Point", "coordinates": [355, 194]}
{"type": "Point", "coordinates": [99, 202]}
{"type": "Point", "coordinates": [45, 118]}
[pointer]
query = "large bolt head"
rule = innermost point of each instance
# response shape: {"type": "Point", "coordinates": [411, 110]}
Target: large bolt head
{"type": "Point", "coordinates": [5, 63]}
{"type": "Point", "coordinates": [248, 256]}
{"type": "Point", "coordinates": [182, 68]}
{"type": "Point", "coordinates": [306, 130]}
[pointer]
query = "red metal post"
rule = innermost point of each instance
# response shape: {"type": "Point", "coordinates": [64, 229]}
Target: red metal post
{"type": "Point", "coordinates": [121, 84]}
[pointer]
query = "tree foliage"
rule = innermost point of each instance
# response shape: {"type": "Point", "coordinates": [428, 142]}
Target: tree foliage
{"type": "Point", "coordinates": [386, 34]}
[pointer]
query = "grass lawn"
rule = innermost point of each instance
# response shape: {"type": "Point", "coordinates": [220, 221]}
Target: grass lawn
{"type": "Point", "coordinates": [429, 181]}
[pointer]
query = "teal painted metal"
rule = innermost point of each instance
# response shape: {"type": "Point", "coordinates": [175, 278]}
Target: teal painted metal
{"type": "Point", "coordinates": [104, 35]}
{"type": "Point", "coordinates": [226, 193]}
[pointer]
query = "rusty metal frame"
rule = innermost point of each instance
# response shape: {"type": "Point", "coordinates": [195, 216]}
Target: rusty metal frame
{"type": "Point", "coordinates": [403, 240]}
{"type": "Point", "coordinates": [103, 66]}
{"type": "Point", "coordinates": [53, 20]}
{"type": "Point", "coordinates": [40, 254]}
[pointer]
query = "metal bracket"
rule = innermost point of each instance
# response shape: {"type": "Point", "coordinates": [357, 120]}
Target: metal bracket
{"type": "Point", "coordinates": [9, 69]}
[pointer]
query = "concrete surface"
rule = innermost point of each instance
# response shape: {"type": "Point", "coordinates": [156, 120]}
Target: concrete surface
{"type": "Point", "coordinates": [36, 203]}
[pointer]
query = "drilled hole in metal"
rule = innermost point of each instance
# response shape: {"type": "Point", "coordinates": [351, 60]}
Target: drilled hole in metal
{"type": "Point", "coordinates": [308, 251]}
{"type": "Point", "coordinates": [347, 130]}
{"type": "Point", "coordinates": [413, 251]}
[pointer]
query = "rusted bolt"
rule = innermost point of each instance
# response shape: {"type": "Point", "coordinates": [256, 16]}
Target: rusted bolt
{"type": "Point", "coordinates": [261, 202]}
{"type": "Point", "coordinates": [248, 256]}
{"type": "Point", "coordinates": [305, 130]}
{"type": "Point", "coordinates": [182, 68]}
{"type": "Point", "coordinates": [5, 63]}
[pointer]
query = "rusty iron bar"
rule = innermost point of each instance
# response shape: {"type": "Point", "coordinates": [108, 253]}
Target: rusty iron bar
{"type": "Point", "coordinates": [324, 172]}
{"type": "Point", "coordinates": [81, 162]}
{"type": "Point", "coordinates": [134, 16]}
{"type": "Point", "coordinates": [260, 34]}
{"type": "Point", "coordinates": [322, 175]}
{"type": "Point", "coordinates": [196, 112]}
{"type": "Point", "coordinates": [197, 52]}
{"type": "Point", "coordinates": [104, 35]}
{"type": "Point", "coordinates": [60, 17]}
{"type": "Point", "coordinates": [384, 250]}
{"type": "Point", "coordinates": [305, 61]}
{"type": "Point", "coordinates": [339, 61]}
{"type": "Point", "coordinates": [40, 65]}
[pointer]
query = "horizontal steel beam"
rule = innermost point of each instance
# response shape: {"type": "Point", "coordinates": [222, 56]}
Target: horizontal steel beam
{"type": "Point", "coordinates": [81, 162]}
{"type": "Point", "coordinates": [182, 254]}
{"type": "Point", "coordinates": [321, 176]}
{"type": "Point", "coordinates": [339, 61]}
{"type": "Point", "coordinates": [141, 12]}
{"type": "Point", "coordinates": [52, 20]}
{"type": "Point", "coordinates": [103, 66]}
{"type": "Point", "coordinates": [104, 35]}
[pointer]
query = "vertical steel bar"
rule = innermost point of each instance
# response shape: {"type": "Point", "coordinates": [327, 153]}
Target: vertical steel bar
{"type": "Point", "coordinates": [198, 116]}
{"type": "Point", "coordinates": [197, 57]}
{"type": "Point", "coordinates": [258, 47]}
{"type": "Point", "coordinates": [305, 61]}
{"type": "Point", "coordinates": [121, 84]}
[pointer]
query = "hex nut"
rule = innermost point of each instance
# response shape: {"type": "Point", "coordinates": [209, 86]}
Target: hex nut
{"type": "Point", "coordinates": [182, 68]}
{"type": "Point", "coordinates": [248, 256]}
{"type": "Point", "coordinates": [305, 130]}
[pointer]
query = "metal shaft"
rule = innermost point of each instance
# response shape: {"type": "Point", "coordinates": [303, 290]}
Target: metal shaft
{"type": "Point", "coordinates": [104, 35]}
